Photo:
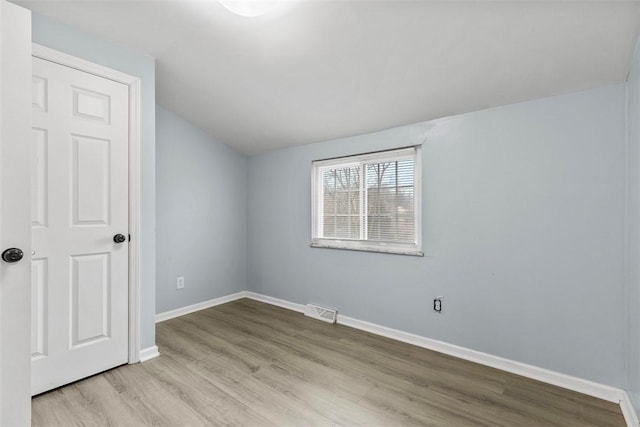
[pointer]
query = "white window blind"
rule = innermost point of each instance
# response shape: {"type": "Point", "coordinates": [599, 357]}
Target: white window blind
{"type": "Point", "coordinates": [368, 202]}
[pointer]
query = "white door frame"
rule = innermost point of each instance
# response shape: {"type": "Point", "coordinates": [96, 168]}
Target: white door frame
{"type": "Point", "coordinates": [133, 83]}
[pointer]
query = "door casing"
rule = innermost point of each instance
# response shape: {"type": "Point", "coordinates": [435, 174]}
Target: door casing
{"type": "Point", "coordinates": [134, 85]}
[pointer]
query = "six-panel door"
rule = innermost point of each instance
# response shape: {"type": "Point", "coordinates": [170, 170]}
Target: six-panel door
{"type": "Point", "coordinates": [79, 202]}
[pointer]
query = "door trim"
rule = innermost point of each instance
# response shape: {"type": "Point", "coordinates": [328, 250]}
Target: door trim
{"type": "Point", "coordinates": [133, 83]}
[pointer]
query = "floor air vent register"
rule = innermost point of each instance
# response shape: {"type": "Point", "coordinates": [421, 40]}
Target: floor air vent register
{"type": "Point", "coordinates": [321, 313]}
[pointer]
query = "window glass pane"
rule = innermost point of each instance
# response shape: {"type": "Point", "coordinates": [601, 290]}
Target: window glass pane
{"type": "Point", "coordinates": [341, 203]}
{"type": "Point", "coordinates": [390, 201]}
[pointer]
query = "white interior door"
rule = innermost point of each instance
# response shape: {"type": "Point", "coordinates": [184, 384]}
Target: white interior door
{"type": "Point", "coordinates": [79, 310]}
{"type": "Point", "coordinates": [15, 227]}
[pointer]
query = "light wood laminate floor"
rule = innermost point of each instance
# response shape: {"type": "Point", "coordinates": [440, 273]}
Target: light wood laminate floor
{"type": "Point", "coordinates": [246, 363]}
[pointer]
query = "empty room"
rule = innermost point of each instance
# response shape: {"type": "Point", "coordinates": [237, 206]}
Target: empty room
{"type": "Point", "coordinates": [319, 213]}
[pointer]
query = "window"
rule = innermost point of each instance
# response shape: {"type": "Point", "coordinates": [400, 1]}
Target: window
{"type": "Point", "coordinates": [368, 202]}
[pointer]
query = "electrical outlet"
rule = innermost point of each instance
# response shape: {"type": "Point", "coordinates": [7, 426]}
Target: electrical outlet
{"type": "Point", "coordinates": [437, 304]}
{"type": "Point", "coordinates": [180, 283]}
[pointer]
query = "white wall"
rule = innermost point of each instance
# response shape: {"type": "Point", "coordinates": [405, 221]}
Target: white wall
{"type": "Point", "coordinates": [201, 215]}
{"type": "Point", "coordinates": [65, 39]}
{"type": "Point", "coordinates": [523, 226]}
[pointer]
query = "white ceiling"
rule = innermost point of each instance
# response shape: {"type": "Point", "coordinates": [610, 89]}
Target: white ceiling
{"type": "Point", "coordinates": [318, 70]}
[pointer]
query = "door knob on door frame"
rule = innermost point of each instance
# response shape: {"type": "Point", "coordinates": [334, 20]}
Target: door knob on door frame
{"type": "Point", "coordinates": [119, 238]}
{"type": "Point", "coordinates": [12, 255]}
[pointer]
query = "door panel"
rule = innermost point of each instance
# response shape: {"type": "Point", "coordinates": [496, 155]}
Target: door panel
{"type": "Point", "coordinates": [39, 187]}
{"type": "Point", "coordinates": [90, 308]}
{"type": "Point", "coordinates": [39, 93]}
{"type": "Point", "coordinates": [80, 198]}
{"type": "Point", "coordinates": [39, 304]}
{"type": "Point", "coordinates": [90, 179]}
{"type": "Point", "coordinates": [91, 105]}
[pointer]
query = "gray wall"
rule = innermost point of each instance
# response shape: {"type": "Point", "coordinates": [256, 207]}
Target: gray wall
{"type": "Point", "coordinates": [633, 231]}
{"type": "Point", "coordinates": [65, 39]}
{"type": "Point", "coordinates": [202, 215]}
{"type": "Point", "coordinates": [523, 224]}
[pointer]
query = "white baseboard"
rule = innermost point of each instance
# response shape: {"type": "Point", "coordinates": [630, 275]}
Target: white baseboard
{"type": "Point", "coordinates": [149, 353]}
{"type": "Point", "coordinates": [629, 412]}
{"type": "Point", "coordinates": [580, 385]}
{"type": "Point", "coordinates": [275, 301]}
{"type": "Point", "coordinates": [161, 317]}
{"type": "Point", "coordinates": [601, 391]}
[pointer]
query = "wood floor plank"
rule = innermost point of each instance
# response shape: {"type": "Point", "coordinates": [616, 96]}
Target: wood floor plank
{"type": "Point", "coordinates": [247, 363]}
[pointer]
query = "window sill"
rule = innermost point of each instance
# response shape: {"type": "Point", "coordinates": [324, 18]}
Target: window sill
{"type": "Point", "coordinates": [361, 248]}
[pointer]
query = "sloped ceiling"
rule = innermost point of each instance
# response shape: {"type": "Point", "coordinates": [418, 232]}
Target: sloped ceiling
{"type": "Point", "coordinates": [316, 70]}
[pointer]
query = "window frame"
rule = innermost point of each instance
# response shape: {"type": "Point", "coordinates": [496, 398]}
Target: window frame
{"type": "Point", "coordinates": [317, 166]}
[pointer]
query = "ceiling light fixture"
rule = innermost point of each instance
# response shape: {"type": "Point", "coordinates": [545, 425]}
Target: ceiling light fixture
{"type": "Point", "coordinates": [248, 8]}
